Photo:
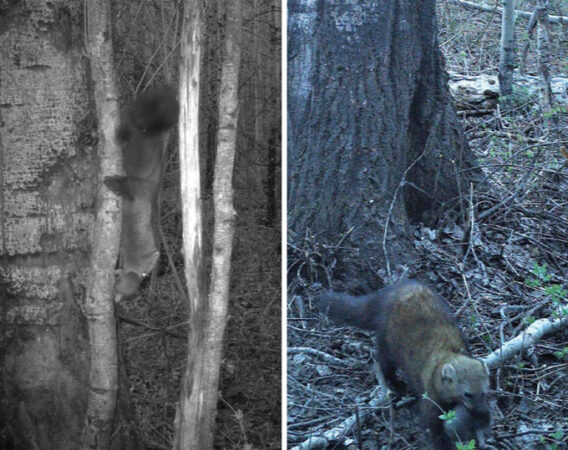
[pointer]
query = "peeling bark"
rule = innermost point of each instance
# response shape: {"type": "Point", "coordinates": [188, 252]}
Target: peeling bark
{"type": "Point", "coordinates": [188, 422]}
{"type": "Point", "coordinates": [195, 417]}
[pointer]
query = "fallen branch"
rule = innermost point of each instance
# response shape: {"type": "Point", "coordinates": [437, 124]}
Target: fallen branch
{"type": "Point", "coordinates": [139, 323]}
{"type": "Point", "coordinates": [525, 340]}
{"type": "Point", "coordinates": [318, 354]}
{"type": "Point", "coordinates": [324, 440]}
{"type": "Point", "coordinates": [495, 10]}
{"type": "Point", "coordinates": [474, 112]}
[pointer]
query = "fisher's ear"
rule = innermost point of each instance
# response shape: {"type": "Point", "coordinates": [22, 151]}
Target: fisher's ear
{"type": "Point", "coordinates": [448, 373]}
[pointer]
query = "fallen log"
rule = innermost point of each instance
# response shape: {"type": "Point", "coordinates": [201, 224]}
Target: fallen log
{"type": "Point", "coordinates": [479, 94]}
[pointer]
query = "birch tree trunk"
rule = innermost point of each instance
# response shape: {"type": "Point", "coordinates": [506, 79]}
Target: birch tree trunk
{"type": "Point", "coordinates": [99, 307]}
{"type": "Point", "coordinates": [507, 48]}
{"type": "Point", "coordinates": [223, 194]}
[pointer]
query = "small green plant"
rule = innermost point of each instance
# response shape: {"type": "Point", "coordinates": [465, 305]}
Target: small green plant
{"type": "Point", "coordinates": [556, 293]}
{"type": "Point", "coordinates": [562, 354]}
{"type": "Point", "coordinates": [451, 414]}
{"type": "Point", "coordinates": [540, 274]}
{"type": "Point", "coordinates": [519, 97]}
{"type": "Point", "coordinates": [554, 112]}
{"type": "Point", "coordinates": [557, 436]}
{"type": "Point", "coordinates": [425, 397]}
{"type": "Point", "coordinates": [529, 319]}
{"type": "Point", "coordinates": [469, 446]}
{"type": "Point", "coordinates": [532, 282]}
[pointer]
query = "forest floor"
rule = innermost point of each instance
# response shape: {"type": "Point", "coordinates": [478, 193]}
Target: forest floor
{"type": "Point", "coordinates": [505, 270]}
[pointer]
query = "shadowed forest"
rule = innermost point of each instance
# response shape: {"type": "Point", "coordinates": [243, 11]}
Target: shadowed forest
{"type": "Point", "coordinates": [153, 324]}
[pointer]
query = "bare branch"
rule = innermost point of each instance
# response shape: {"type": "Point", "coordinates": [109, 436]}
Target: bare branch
{"type": "Point", "coordinates": [526, 14]}
{"type": "Point", "coordinates": [526, 339]}
{"type": "Point", "coordinates": [318, 354]}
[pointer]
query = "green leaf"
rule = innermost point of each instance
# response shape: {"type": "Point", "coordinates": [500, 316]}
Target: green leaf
{"type": "Point", "coordinates": [451, 414]}
{"type": "Point", "coordinates": [555, 291]}
{"type": "Point", "coordinates": [541, 271]}
{"type": "Point", "coordinates": [562, 354]}
{"type": "Point", "coordinates": [559, 434]}
{"type": "Point", "coordinates": [469, 446]}
{"type": "Point", "coordinates": [532, 282]}
{"type": "Point", "coordinates": [529, 319]}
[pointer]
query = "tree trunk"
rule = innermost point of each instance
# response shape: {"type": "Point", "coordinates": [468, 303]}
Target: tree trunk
{"type": "Point", "coordinates": [274, 136]}
{"type": "Point", "coordinates": [212, 39]}
{"type": "Point", "coordinates": [507, 48]}
{"type": "Point", "coordinates": [258, 90]}
{"type": "Point", "coordinates": [99, 307]}
{"type": "Point", "coordinates": [52, 229]}
{"type": "Point", "coordinates": [543, 38]}
{"type": "Point", "coordinates": [273, 199]}
{"type": "Point", "coordinates": [224, 228]}
{"type": "Point", "coordinates": [195, 418]}
{"type": "Point", "coordinates": [374, 139]}
{"type": "Point", "coordinates": [531, 26]}
{"type": "Point", "coordinates": [189, 422]}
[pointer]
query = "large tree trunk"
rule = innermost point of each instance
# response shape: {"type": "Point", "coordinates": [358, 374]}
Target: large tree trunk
{"type": "Point", "coordinates": [50, 177]}
{"type": "Point", "coordinates": [369, 109]}
{"type": "Point", "coordinates": [60, 231]}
